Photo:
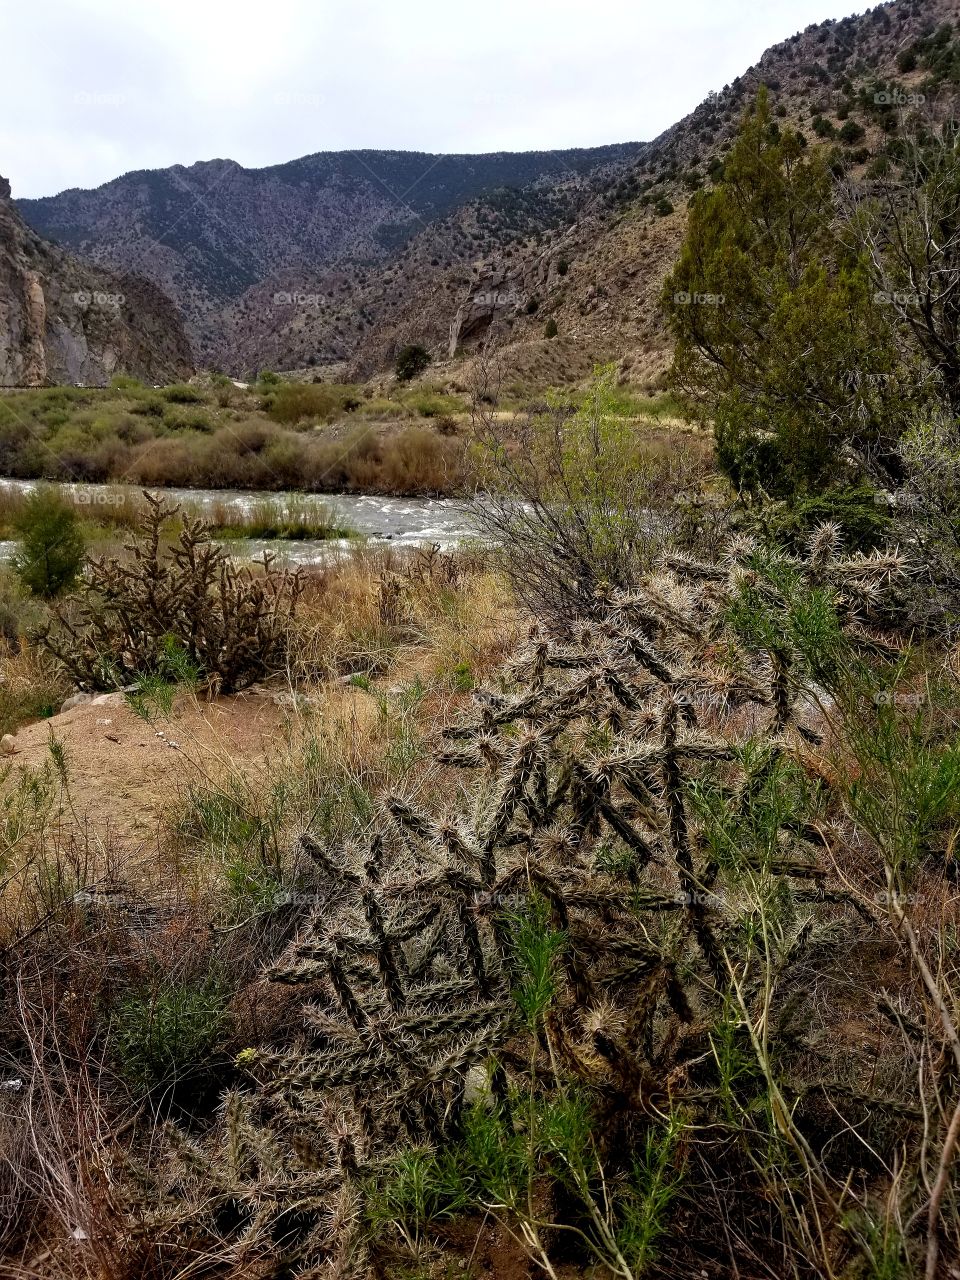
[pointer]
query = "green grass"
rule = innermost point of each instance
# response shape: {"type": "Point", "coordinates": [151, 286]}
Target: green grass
{"type": "Point", "coordinates": [289, 518]}
{"type": "Point", "coordinates": [272, 436]}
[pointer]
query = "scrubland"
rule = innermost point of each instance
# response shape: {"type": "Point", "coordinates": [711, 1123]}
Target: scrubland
{"type": "Point", "coordinates": [584, 904]}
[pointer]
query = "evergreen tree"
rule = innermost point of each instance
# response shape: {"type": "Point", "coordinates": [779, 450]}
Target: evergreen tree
{"type": "Point", "coordinates": [779, 340]}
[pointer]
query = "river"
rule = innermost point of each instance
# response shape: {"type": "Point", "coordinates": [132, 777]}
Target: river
{"type": "Point", "coordinates": [400, 522]}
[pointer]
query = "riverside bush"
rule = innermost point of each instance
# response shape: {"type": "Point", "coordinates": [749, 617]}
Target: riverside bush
{"type": "Point", "coordinates": [52, 548]}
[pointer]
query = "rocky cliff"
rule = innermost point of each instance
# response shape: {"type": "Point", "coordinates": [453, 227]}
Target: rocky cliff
{"type": "Point", "coordinates": [66, 321]}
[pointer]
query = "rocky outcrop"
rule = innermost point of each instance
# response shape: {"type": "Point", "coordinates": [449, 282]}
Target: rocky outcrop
{"type": "Point", "coordinates": [66, 321]}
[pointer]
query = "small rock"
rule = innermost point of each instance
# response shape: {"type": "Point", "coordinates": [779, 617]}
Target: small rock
{"type": "Point", "coordinates": [8, 744]}
{"type": "Point", "coordinates": [76, 700]}
{"type": "Point", "coordinates": [476, 1086]}
{"type": "Point", "coordinates": [104, 720]}
{"type": "Point", "coordinates": [108, 700]}
{"type": "Point", "coordinates": [112, 737]}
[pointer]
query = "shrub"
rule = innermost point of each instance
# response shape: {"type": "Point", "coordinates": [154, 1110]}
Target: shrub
{"type": "Point", "coordinates": [573, 501]}
{"type": "Point", "coordinates": [187, 420]}
{"type": "Point", "coordinates": [858, 512]}
{"type": "Point", "coordinates": [294, 401]}
{"type": "Point", "coordinates": [51, 552]}
{"type": "Point", "coordinates": [164, 1036]}
{"type": "Point", "coordinates": [150, 406]}
{"type": "Point", "coordinates": [550, 328]}
{"type": "Point", "coordinates": [926, 509]}
{"type": "Point", "coordinates": [183, 393]}
{"type": "Point", "coordinates": [229, 624]}
{"type": "Point", "coordinates": [769, 365]}
{"type": "Point", "coordinates": [851, 132]}
{"type": "Point", "coordinates": [413, 359]}
{"type": "Point", "coordinates": [663, 207]}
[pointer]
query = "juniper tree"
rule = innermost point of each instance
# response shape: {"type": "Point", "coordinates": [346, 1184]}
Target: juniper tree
{"type": "Point", "coordinates": [779, 342]}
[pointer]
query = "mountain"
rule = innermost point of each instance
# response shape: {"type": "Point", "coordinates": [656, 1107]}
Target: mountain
{"type": "Point", "coordinates": [332, 262]}
{"type": "Point", "coordinates": [67, 321]}
{"type": "Point", "coordinates": [207, 233]}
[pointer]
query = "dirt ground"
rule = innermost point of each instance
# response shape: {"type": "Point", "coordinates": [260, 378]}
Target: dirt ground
{"type": "Point", "coordinates": [125, 773]}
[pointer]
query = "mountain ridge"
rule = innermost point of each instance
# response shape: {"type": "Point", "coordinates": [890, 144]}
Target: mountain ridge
{"type": "Point", "coordinates": [320, 264]}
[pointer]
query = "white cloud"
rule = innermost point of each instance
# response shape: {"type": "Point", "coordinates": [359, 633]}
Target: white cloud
{"type": "Point", "coordinates": [93, 88]}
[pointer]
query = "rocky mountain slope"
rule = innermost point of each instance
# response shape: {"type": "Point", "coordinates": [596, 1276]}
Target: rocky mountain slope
{"type": "Point", "coordinates": [207, 233]}
{"type": "Point", "coordinates": [596, 266]}
{"type": "Point", "coordinates": [67, 321]}
{"type": "Point", "coordinates": [329, 264]}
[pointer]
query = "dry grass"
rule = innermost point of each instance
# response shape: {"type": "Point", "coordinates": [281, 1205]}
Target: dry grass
{"type": "Point", "coordinates": [429, 613]}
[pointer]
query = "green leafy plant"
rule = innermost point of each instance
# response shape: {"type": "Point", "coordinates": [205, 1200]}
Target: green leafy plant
{"type": "Point", "coordinates": [166, 1034]}
{"type": "Point", "coordinates": [412, 360]}
{"type": "Point", "coordinates": [51, 554]}
{"type": "Point", "coordinates": [771, 306]}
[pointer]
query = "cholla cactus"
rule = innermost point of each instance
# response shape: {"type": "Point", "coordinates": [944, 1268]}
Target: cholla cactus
{"type": "Point", "coordinates": [586, 767]}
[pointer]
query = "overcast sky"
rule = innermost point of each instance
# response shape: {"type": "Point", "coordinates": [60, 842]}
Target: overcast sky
{"type": "Point", "coordinates": [94, 88]}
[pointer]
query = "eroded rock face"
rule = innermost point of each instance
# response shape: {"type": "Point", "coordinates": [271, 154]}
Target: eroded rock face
{"type": "Point", "coordinates": [65, 321]}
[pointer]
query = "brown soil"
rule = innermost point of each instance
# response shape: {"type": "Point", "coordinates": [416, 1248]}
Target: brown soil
{"type": "Point", "coordinates": [125, 773]}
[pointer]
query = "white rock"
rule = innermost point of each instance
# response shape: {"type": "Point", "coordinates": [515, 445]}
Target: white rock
{"type": "Point", "coordinates": [476, 1086]}
{"type": "Point", "coordinates": [8, 744]}
{"type": "Point", "coordinates": [108, 700]}
{"type": "Point", "coordinates": [76, 700]}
